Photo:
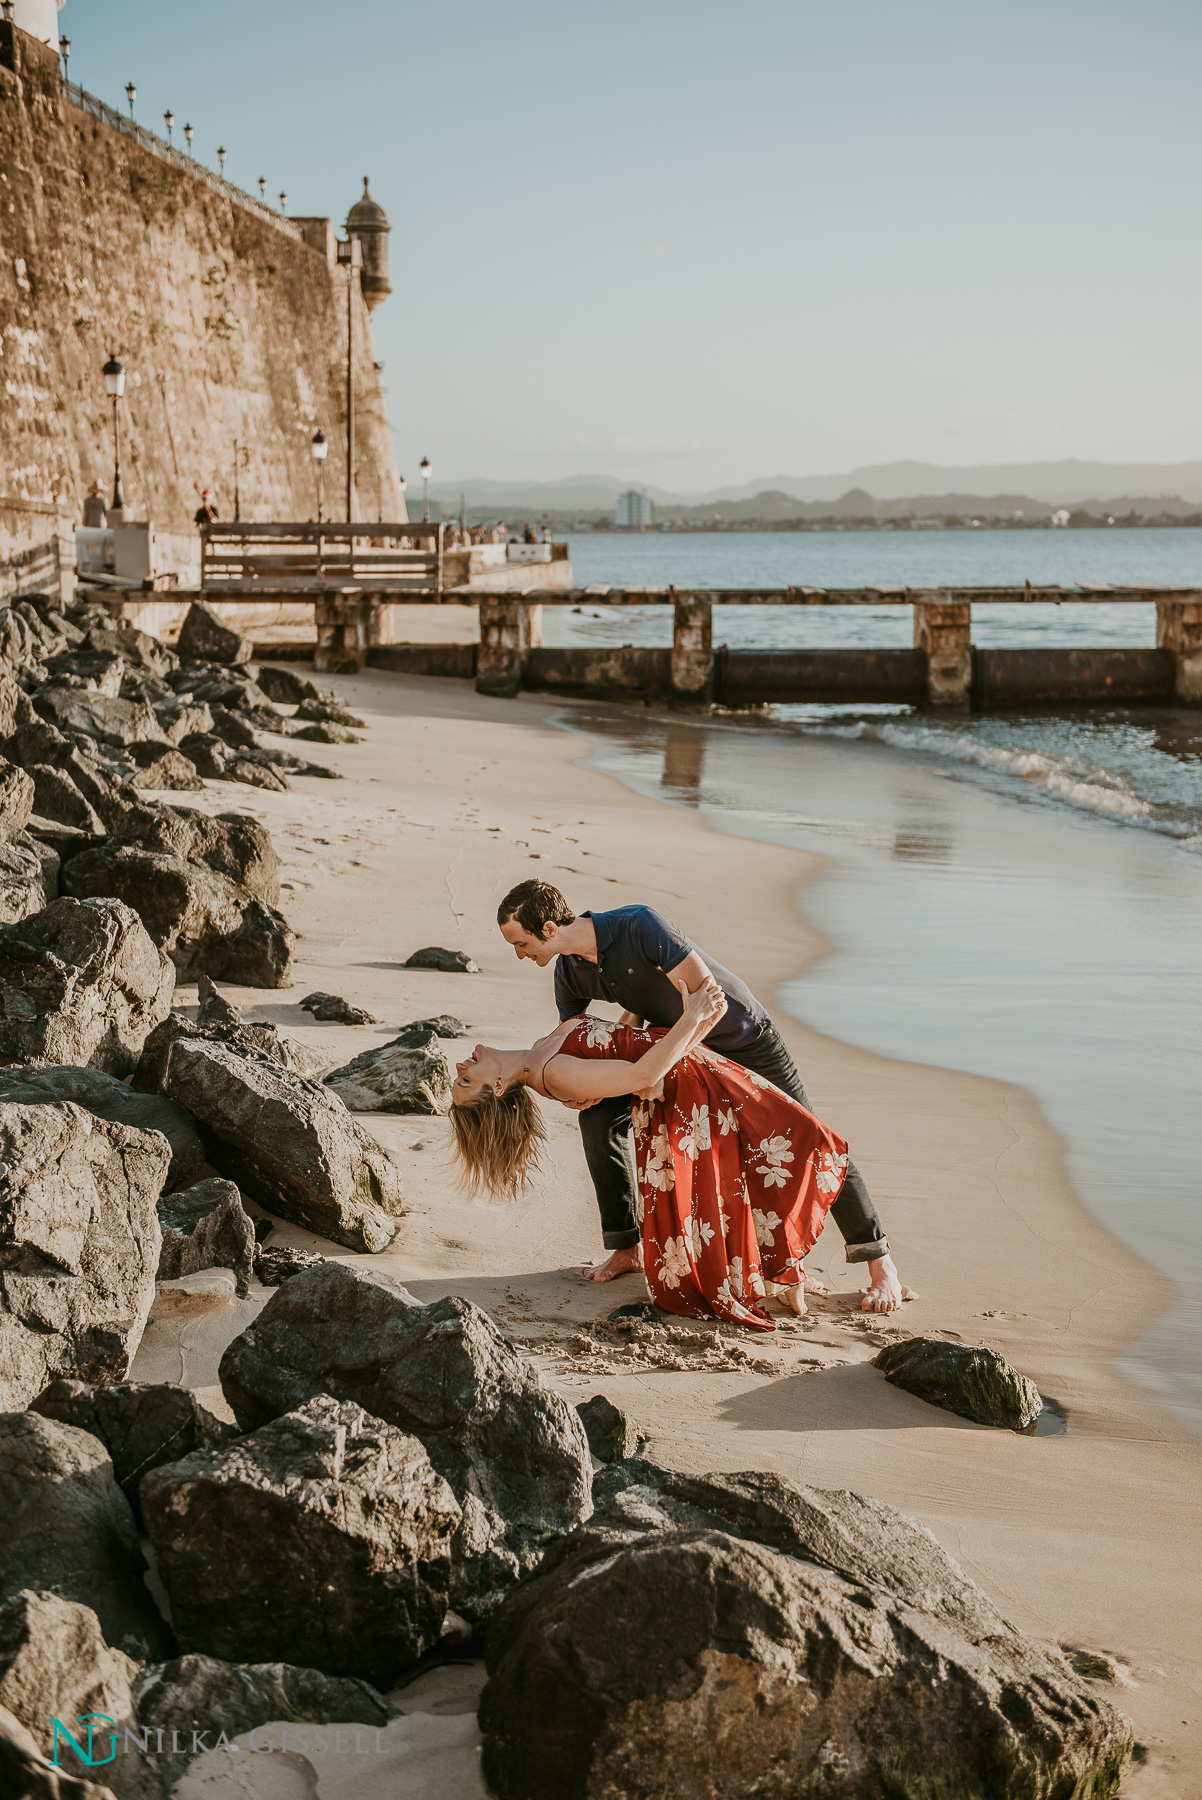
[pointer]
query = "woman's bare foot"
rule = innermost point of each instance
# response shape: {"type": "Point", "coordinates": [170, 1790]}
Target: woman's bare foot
{"type": "Point", "coordinates": [884, 1287]}
{"type": "Point", "coordinates": [619, 1262]}
{"type": "Point", "coordinates": [793, 1299]}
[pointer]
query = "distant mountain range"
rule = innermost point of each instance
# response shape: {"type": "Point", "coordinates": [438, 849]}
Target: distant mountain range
{"type": "Point", "coordinates": [1050, 483]}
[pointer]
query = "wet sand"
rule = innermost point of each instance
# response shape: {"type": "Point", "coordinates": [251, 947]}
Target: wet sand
{"type": "Point", "coordinates": [1088, 1538]}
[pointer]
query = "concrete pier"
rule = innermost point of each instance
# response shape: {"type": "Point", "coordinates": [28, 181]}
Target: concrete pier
{"type": "Point", "coordinates": [943, 632]}
{"type": "Point", "coordinates": [1179, 632]}
{"type": "Point", "coordinates": [509, 630]}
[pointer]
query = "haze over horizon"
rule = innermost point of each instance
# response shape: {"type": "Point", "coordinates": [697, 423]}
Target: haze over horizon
{"type": "Point", "coordinates": [693, 243]}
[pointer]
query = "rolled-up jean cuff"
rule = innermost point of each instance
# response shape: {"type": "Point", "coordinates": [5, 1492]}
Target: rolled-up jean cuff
{"type": "Point", "coordinates": [866, 1252]}
{"type": "Point", "coordinates": [620, 1240]}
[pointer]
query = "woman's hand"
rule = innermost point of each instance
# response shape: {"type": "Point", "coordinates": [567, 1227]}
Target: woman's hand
{"type": "Point", "coordinates": [705, 1005]}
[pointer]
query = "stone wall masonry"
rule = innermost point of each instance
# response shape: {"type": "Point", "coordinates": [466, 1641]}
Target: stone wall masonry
{"type": "Point", "coordinates": [229, 328]}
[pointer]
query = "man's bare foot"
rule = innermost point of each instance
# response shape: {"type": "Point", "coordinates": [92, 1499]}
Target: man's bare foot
{"type": "Point", "coordinates": [619, 1262]}
{"type": "Point", "coordinates": [884, 1287]}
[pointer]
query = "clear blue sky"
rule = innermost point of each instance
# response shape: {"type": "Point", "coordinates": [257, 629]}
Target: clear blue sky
{"type": "Point", "coordinates": [688, 243]}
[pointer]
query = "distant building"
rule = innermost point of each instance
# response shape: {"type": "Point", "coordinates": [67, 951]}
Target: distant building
{"type": "Point", "coordinates": [634, 509]}
{"type": "Point", "coordinates": [1061, 518]}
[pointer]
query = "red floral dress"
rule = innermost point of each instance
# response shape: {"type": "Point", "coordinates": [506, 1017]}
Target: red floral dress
{"type": "Point", "coordinates": [735, 1179]}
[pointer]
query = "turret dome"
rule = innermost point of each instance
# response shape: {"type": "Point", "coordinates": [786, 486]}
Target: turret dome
{"type": "Point", "coordinates": [368, 222]}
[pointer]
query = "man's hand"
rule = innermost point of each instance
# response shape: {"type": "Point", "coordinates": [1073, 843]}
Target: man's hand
{"type": "Point", "coordinates": [651, 1093]}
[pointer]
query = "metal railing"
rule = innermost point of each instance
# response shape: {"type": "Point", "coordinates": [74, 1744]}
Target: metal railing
{"type": "Point", "coordinates": [244, 560]}
{"type": "Point", "coordinates": [187, 165]}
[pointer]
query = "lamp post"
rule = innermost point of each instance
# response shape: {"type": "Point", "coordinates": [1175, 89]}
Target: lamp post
{"type": "Point", "coordinates": [320, 449]}
{"type": "Point", "coordinates": [189, 134]}
{"type": "Point", "coordinates": [350, 252]}
{"type": "Point", "coordinates": [283, 203]}
{"type": "Point", "coordinates": [64, 50]}
{"type": "Point", "coordinates": [262, 187]}
{"type": "Point", "coordinates": [424, 468]}
{"type": "Point", "coordinates": [114, 381]}
{"type": "Point", "coordinates": [238, 455]}
{"type": "Point", "coordinates": [169, 121]}
{"type": "Point", "coordinates": [221, 157]}
{"type": "Point", "coordinates": [131, 94]}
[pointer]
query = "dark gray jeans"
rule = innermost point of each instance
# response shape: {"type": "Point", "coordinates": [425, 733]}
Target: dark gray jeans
{"type": "Point", "coordinates": [609, 1152]}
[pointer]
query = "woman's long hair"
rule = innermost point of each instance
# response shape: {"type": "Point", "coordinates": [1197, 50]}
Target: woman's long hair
{"type": "Point", "coordinates": [498, 1140]}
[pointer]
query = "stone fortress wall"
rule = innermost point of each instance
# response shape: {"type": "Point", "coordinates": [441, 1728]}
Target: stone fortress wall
{"type": "Point", "coordinates": [230, 326]}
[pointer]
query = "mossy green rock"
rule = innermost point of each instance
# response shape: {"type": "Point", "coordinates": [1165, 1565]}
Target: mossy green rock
{"type": "Point", "coordinates": [968, 1379]}
{"type": "Point", "coordinates": [396, 1078]}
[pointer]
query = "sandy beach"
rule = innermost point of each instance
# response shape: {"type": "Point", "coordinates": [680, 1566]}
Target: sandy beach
{"type": "Point", "coordinates": [1083, 1538]}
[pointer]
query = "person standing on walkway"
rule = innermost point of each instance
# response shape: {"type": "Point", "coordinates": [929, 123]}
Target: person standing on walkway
{"type": "Point", "coordinates": [636, 958]}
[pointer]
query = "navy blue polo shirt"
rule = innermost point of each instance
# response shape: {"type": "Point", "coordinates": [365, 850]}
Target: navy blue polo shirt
{"type": "Point", "coordinates": [636, 947]}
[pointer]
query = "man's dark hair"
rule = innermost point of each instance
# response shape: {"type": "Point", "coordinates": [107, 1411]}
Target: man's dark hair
{"type": "Point", "coordinates": [535, 905]}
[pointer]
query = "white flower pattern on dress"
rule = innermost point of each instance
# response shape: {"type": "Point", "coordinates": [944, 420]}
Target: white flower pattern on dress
{"type": "Point", "coordinates": [728, 1120]}
{"type": "Point", "coordinates": [675, 1261]}
{"type": "Point", "coordinates": [765, 1225]}
{"type": "Point", "coordinates": [829, 1170]}
{"type": "Point", "coordinates": [660, 1173]}
{"type": "Point", "coordinates": [695, 1132]}
{"type": "Point", "coordinates": [775, 1151]}
{"type": "Point", "coordinates": [597, 1032]}
{"type": "Point", "coordinates": [640, 1118]}
{"type": "Point", "coordinates": [700, 1233]}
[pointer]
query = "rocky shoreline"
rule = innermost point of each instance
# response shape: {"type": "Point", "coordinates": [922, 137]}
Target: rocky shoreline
{"type": "Point", "coordinates": [399, 1485]}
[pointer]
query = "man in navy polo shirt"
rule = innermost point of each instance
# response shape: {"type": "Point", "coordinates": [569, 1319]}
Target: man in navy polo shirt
{"type": "Point", "coordinates": [639, 960]}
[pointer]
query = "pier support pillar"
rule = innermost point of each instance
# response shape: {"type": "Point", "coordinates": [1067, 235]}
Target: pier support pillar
{"type": "Point", "coordinates": [508, 628]}
{"type": "Point", "coordinates": [944, 630]}
{"type": "Point", "coordinates": [1179, 631]}
{"type": "Point", "coordinates": [348, 625]}
{"type": "Point", "coordinates": [692, 652]}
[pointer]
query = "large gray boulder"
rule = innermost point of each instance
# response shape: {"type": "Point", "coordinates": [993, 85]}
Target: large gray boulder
{"type": "Point", "coordinates": [55, 1664]}
{"type": "Point", "coordinates": [16, 798]}
{"type": "Point", "coordinates": [142, 1425]}
{"type": "Point", "coordinates": [25, 1774]}
{"type": "Point", "coordinates": [513, 1451]}
{"type": "Point", "coordinates": [206, 1227]}
{"type": "Point", "coordinates": [57, 797]}
{"type": "Point", "coordinates": [24, 888]}
{"type": "Point", "coordinates": [107, 1098]}
{"type": "Point", "coordinates": [233, 844]}
{"type": "Point", "coordinates": [395, 1078]}
{"type": "Point", "coordinates": [104, 717]}
{"type": "Point", "coordinates": [203, 921]}
{"type": "Point", "coordinates": [323, 1537]}
{"type": "Point", "coordinates": [287, 1143]}
{"type": "Point", "coordinates": [68, 1529]}
{"type": "Point", "coordinates": [79, 1245]}
{"type": "Point", "coordinates": [776, 1641]}
{"type": "Point", "coordinates": [204, 637]}
{"type": "Point", "coordinates": [81, 983]}
{"type": "Point", "coordinates": [262, 1043]}
{"type": "Point", "coordinates": [201, 1693]}
{"type": "Point", "coordinates": [968, 1379]}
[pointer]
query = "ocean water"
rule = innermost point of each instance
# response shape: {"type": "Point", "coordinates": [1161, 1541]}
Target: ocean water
{"type": "Point", "coordinates": [1138, 767]}
{"type": "Point", "coordinates": [1019, 896]}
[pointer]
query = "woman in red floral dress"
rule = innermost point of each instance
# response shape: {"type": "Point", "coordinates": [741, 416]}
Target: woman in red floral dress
{"type": "Point", "coordinates": [735, 1178]}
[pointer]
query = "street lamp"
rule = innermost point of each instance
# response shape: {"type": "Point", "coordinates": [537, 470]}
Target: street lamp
{"type": "Point", "coordinates": [114, 381]}
{"type": "Point", "coordinates": [64, 50]}
{"type": "Point", "coordinates": [320, 449]}
{"type": "Point", "coordinates": [263, 187]}
{"type": "Point", "coordinates": [189, 134]}
{"type": "Point", "coordinates": [424, 470]}
{"type": "Point", "coordinates": [350, 255]}
{"type": "Point", "coordinates": [169, 121]}
{"type": "Point", "coordinates": [283, 202]}
{"type": "Point", "coordinates": [131, 94]}
{"type": "Point", "coordinates": [221, 157]}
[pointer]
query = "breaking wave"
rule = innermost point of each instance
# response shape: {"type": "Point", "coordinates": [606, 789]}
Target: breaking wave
{"type": "Point", "coordinates": [1055, 777]}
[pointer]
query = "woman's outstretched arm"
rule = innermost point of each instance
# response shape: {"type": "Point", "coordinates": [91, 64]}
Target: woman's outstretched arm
{"type": "Point", "coordinates": [582, 1078]}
